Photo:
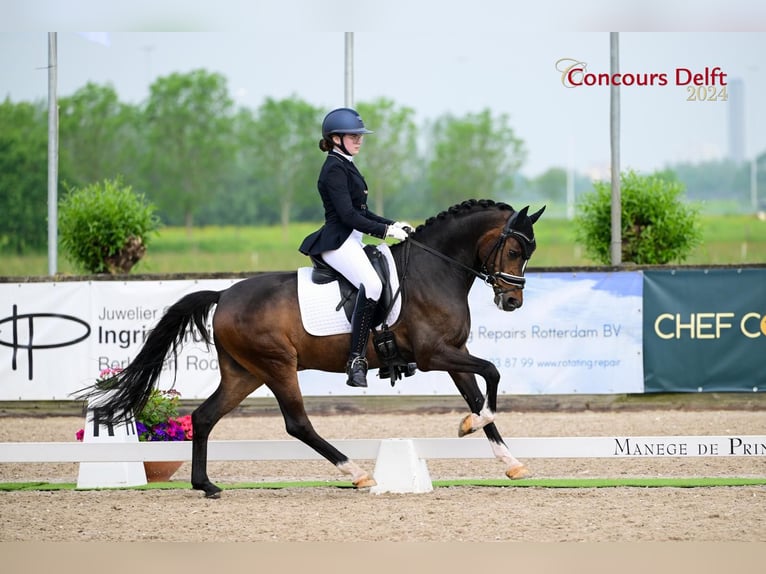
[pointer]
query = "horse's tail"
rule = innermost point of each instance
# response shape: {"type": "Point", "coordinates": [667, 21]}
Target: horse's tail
{"type": "Point", "coordinates": [128, 391]}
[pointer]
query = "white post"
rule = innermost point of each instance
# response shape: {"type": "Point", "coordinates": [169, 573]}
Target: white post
{"type": "Point", "coordinates": [398, 468]}
{"type": "Point", "coordinates": [109, 474]}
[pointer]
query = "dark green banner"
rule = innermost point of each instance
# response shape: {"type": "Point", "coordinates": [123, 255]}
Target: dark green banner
{"type": "Point", "coordinates": [705, 330]}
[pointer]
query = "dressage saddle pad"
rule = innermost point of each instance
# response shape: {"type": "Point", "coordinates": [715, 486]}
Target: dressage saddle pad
{"type": "Point", "coordinates": [318, 302]}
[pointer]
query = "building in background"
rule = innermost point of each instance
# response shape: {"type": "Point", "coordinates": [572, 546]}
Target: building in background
{"type": "Point", "coordinates": [736, 90]}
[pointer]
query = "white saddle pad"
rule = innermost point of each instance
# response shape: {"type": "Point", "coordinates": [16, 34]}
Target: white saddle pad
{"type": "Point", "coordinates": [318, 302]}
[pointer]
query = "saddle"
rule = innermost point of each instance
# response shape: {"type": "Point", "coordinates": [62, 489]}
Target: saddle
{"type": "Point", "coordinates": [393, 365]}
{"type": "Point", "coordinates": [322, 274]}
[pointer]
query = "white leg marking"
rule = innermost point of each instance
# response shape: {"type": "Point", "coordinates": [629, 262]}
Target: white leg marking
{"type": "Point", "coordinates": [351, 468]}
{"type": "Point", "coordinates": [504, 454]}
{"type": "Point", "coordinates": [481, 420]}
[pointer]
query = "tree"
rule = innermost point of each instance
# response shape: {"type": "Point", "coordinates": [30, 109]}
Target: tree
{"type": "Point", "coordinates": [283, 145]}
{"type": "Point", "coordinates": [552, 184]}
{"type": "Point", "coordinates": [97, 134]}
{"type": "Point", "coordinates": [474, 156]}
{"type": "Point", "coordinates": [389, 156]}
{"type": "Point", "coordinates": [23, 177]}
{"type": "Point", "coordinates": [189, 122]}
{"type": "Point", "coordinates": [237, 203]}
{"type": "Point", "coordinates": [657, 227]}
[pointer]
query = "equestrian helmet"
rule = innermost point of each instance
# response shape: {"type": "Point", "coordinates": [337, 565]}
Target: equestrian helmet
{"type": "Point", "coordinates": [343, 121]}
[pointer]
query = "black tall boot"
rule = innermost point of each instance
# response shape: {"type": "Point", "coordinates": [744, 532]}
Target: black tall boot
{"type": "Point", "coordinates": [361, 323]}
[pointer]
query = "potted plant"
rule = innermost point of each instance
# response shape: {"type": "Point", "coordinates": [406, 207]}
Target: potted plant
{"type": "Point", "coordinates": [159, 420]}
{"type": "Point", "coordinates": [105, 226]}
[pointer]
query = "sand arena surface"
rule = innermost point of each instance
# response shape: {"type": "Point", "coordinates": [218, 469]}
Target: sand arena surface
{"type": "Point", "coordinates": [469, 514]}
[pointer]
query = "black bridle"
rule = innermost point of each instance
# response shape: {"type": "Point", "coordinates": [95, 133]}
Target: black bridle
{"type": "Point", "coordinates": [489, 277]}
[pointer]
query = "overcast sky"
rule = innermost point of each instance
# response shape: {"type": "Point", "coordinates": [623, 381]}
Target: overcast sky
{"type": "Point", "coordinates": [438, 70]}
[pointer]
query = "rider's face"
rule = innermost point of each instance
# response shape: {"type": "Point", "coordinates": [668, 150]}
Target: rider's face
{"type": "Point", "coordinates": [353, 142]}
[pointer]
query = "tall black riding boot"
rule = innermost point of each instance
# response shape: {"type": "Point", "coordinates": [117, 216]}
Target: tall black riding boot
{"type": "Point", "coordinates": [361, 323]}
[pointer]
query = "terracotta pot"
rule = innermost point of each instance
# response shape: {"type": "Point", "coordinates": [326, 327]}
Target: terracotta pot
{"type": "Point", "coordinates": [160, 470]}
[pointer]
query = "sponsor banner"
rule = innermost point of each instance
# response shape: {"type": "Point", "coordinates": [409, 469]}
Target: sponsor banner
{"type": "Point", "coordinates": [705, 330]}
{"type": "Point", "coordinates": [55, 338]}
{"type": "Point", "coordinates": [575, 334]}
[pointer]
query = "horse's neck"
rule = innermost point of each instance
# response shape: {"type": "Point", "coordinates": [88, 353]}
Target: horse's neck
{"type": "Point", "coordinates": [459, 253]}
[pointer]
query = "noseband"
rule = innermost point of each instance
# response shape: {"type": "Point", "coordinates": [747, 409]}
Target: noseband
{"type": "Point", "coordinates": [493, 278]}
{"type": "Point", "coordinates": [527, 247]}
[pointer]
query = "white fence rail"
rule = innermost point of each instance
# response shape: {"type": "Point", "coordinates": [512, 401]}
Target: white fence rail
{"type": "Point", "coordinates": [367, 449]}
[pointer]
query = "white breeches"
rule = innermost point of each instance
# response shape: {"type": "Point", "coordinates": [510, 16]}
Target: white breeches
{"type": "Point", "coordinates": [351, 261]}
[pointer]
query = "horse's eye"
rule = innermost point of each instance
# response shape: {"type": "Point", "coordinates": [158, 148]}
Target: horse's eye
{"type": "Point", "coordinates": [514, 254]}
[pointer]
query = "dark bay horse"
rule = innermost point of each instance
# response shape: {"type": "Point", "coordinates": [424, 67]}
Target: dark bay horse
{"type": "Point", "coordinates": [260, 339]}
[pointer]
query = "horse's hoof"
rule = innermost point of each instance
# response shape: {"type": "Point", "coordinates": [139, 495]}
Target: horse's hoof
{"type": "Point", "coordinates": [517, 472]}
{"type": "Point", "coordinates": [466, 426]}
{"type": "Point", "coordinates": [365, 482]}
{"type": "Point", "coordinates": [211, 490]}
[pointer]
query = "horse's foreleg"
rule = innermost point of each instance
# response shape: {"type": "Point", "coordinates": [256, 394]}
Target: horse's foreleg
{"type": "Point", "coordinates": [514, 469]}
{"type": "Point", "coordinates": [481, 415]}
{"type": "Point", "coordinates": [462, 365]}
{"type": "Point", "coordinates": [298, 425]}
{"type": "Point", "coordinates": [469, 390]}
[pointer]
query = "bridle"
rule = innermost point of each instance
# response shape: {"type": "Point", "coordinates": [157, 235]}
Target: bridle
{"type": "Point", "coordinates": [493, 279]}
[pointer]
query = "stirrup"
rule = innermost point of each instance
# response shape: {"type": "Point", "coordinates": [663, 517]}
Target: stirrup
{"type": "Point", "coordinates": [356, 367]}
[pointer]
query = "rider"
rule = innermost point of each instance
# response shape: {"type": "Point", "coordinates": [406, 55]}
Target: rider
{"type": "Point", "coordinates": [339, 240]}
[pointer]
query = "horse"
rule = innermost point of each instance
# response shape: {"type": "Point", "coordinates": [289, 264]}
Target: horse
{"type": "Point", "coordinates": [260, 340]}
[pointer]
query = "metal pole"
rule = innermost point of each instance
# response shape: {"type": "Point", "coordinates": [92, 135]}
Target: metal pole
{"type": "Point", "coordinates": [570, 181]}
{"type": "Point", "coordinates": [53, 156]}
{"type": "Point", "coordinates": [614, 129]}
{"type": "Point", "coordinates": [349, 71]}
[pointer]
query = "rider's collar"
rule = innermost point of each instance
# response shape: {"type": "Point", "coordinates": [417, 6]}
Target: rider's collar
{"type": "Point", "coordinates": [337, 151]}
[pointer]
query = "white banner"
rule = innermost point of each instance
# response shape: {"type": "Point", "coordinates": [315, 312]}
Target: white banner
{"type": "Point", "coordinates": [575, 334]}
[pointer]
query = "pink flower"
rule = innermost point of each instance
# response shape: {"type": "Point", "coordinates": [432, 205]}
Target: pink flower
{"type": "Point", "coordinates": [186, 423]}
{"type": "Point", "coordinates": [108, 373]}
{"type": "Point", "coordinates": [80, 434]}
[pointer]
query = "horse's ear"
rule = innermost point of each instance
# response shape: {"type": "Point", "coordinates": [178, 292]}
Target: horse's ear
{"type": "Point", "coordinates": [535, 216]}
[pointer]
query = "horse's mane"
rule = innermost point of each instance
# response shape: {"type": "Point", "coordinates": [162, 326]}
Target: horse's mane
{"type": "Point", "coordinates": [460, 208]}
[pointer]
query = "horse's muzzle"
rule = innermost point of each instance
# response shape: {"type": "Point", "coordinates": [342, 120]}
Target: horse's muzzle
{"type": "Point", "coordinates": [507, 302]}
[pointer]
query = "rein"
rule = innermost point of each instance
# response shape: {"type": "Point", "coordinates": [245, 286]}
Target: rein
{"type": "Point", "coordinates": [488, 279]}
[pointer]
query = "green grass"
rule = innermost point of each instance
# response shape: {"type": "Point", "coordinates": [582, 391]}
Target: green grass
{"type": "Point", "coordinates": [727, 240]}
{"type": "Point", "coordinates": [675, 482]}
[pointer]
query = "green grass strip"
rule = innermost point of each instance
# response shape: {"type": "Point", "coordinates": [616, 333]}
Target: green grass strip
{"type": "Point", "coordinates": [606, 482]}
{"type": "Point", "coordinates": [527, 482]}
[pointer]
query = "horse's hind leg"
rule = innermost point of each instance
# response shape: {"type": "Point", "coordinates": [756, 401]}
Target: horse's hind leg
{"type": "Point", "coordinates": [298, 425]}
{"type": "Point", "coordinates": [469, 389]}
{"type": "Point", "coordinates": [236, 384]}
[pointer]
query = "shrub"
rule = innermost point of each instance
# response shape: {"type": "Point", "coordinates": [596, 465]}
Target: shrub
{"type": "Point", "coordinates": [657, 226]}
{"type": "Point", "coordinates": [105, 227]}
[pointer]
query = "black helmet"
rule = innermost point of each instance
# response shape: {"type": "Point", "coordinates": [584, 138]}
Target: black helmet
{"type": "Point", "coordinates": [343, 121]}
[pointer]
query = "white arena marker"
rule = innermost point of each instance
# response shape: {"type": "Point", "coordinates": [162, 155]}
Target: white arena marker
{"type": "Point", "coordinates": [398, 468]}
{"type": "Point", "coordinates": [109, 474]}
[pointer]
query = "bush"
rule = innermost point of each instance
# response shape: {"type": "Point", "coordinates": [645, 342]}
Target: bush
{"type": "Point", "coordinates": [657, 227]}
{"type": "Point", "coordinates": [105, 227]}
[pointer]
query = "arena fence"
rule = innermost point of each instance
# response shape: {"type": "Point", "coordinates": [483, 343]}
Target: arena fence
{"type": "Point", "coordinates": [368, 449]}
{"type": "Point", "coordinates": [400, 464]}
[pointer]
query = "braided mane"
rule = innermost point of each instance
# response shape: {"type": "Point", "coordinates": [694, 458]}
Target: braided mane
{"type": "Point", "coordinates": [462, 207]}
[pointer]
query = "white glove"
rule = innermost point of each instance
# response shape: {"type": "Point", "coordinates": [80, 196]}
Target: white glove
{"type": "Point", "coordinates": [403, 225]}
{"type": "Point", "coordinates": [396, 233]}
